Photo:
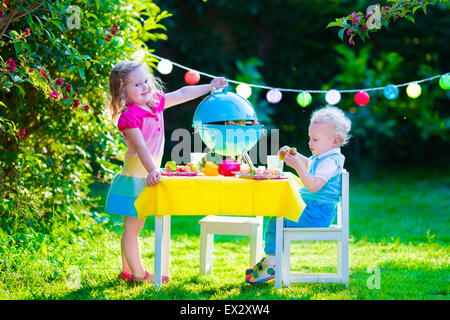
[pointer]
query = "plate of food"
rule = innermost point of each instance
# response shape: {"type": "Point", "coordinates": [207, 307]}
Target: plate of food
{"type": "Point", "coordinates": [174, 170]}
{"type": "Point", "coordinates": [272, 174]}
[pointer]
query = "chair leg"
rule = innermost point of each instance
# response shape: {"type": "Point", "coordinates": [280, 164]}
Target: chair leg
{"type": "Point", "coordinates": [255, 245]}
{"type": "Point", "coordinates": [206, 250]}
{"type": "Point", "coordinates": [339, 259]}
{"type": "Point", "coordinates": [345, 262]}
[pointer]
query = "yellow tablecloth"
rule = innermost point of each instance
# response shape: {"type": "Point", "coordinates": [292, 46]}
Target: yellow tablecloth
{"type": "Point", "coordinates": [219, 195]}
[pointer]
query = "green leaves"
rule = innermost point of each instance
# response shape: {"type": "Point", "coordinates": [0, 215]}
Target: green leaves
{"type": "Point", "coordinates": [152, 25]}
{"type": "Point", "coordinates": [72, 69]}
{"type": "Point", "coordinates": [338, 23]}
{"type": "Point", "coordinates": [81, 72]}
{"type": "Point", "coordinates": [410, 18]}
{"type": "Point", "coordinates": [54, 94]}
{"type": "Point", "coordinates": [360, 25]}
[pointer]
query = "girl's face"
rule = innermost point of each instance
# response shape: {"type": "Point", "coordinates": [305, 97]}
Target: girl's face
{"type": "Point", "coordinates": [322, 138]}
{"type": "Point", "coordinates": [137, 87]}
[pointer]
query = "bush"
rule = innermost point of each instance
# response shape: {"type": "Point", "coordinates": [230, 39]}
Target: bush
{"type": "Point", "coordinates": [55, 132]}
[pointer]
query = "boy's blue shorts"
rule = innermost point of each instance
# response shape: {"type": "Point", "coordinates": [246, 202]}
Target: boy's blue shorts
{"type": "Point", "coordinates": [316, 214]}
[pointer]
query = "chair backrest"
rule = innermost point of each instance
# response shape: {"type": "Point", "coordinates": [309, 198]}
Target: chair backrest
{"type": "Point", "coordinates": [343, 207]}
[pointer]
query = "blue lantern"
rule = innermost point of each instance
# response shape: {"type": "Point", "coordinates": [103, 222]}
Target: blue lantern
{"type": "Point", "coordinates": [390, 92]}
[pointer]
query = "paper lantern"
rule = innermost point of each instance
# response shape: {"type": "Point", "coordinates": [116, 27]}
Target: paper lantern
{"type": "Point", "coordinates": [333, 96]}
{"type": "Point", "coordinates": [304, 99]}
{"type": "Point", "coordinates": [413, 90]}
{"type": "Point", "coordinates": [192, 77]}
{"type": "Point", "coordinates": [444, 81]}
{"type": "Point", "coordinates": [244, 90]}
{"type": "Point", "coordinates": [362, 98]}
{"type": "Point", "coordinates": [273, 96]}
{"type": "Point", "coordinates": [165, 66]}
{"type": "Point", "coordinates": [390, 92]}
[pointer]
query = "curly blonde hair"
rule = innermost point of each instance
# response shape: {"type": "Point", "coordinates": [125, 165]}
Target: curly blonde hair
{"type": "Point", "coordinates": [335, 116]}
{"type": "Point", "coordinates": [117, 79]}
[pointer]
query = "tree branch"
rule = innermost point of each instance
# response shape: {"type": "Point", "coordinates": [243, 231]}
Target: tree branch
{"type": "Point", "coordinates": [15, 15]}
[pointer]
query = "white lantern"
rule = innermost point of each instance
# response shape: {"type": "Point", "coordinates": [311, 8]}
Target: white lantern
{"type": "Point", "coordinates": [413, 90]}
{"type": "Point", "coordinates": [244, 90]}
{"type": "Point", "coordinates": [165, 66]}
{"type": "Point", "coordinates": [333, 96]}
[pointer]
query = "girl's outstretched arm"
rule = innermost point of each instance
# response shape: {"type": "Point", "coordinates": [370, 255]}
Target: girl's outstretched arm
{"type": "Point", "coordinates": [188, 93]}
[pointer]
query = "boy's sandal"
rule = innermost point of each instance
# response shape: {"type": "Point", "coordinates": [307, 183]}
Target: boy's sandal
{"type": "Point", "coordinates": [261, 274]}
{"type": "Point", "coordinates": [257, 266]}
{"type": "Point", "coordinates": [132, 279]}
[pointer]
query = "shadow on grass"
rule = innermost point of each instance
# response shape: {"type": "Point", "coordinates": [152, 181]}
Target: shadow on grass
{"type": "Point", "coordinates": [396, 281]}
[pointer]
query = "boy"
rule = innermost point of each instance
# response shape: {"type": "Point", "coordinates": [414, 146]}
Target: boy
{"type": "Point", "coordinates": [321, 177]}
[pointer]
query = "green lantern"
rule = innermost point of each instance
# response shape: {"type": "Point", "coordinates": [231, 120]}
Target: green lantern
{"type": "Point", "coordinates": [304, 99]}
{"type": "Point", "coordinates": [444, 81]}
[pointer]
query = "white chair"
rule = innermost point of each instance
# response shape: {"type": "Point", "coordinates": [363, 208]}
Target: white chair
{"type": "Point", "coordinates": [338, 232]}
{"type": "Point", "coordinates": [229, 225]}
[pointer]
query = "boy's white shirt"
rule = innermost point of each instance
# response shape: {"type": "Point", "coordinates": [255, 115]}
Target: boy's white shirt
{"type": "Point", "coordinates": [328, 168]}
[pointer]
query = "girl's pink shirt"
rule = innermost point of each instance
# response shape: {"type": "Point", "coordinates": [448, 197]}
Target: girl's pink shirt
{"type": "Point", "coordinates": [151, 125]}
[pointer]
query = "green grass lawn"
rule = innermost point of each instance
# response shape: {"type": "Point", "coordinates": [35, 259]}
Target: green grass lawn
{"type": "Point", "coordinates": [399, 234]}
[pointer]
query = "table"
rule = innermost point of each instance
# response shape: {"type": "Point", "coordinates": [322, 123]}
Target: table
{"type": "Point", "coordinates": [214, 195]}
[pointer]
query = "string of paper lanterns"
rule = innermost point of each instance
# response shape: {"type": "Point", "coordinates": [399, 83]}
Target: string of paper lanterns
{"type": "Point", "coordinates": [304, 98]}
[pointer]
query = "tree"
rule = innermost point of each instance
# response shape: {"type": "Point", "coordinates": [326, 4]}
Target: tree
{"type": "Point", "coordinates": [54, 130]}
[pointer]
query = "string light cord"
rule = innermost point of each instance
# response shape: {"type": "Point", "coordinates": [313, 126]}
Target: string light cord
{"type": "Point", "coordinates": [293, 90]}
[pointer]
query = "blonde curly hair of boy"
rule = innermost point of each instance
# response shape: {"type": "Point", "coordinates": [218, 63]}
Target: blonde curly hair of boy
{"type": "Point", "coordinates": [342, 124]}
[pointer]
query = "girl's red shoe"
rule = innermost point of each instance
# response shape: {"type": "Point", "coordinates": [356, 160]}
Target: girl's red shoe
{"type": "Point", "coordinates": [124, 276]}
{"type": "Point", "coordinates": [146, 278]}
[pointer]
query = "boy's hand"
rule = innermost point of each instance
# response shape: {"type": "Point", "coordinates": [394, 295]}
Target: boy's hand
{"type": "Point", "coordinates": [218, 83]}
{"type": "Point", "coordinates": [153, 177]}
{"type": "Point", "coordinates": [294, 161]}
{"type": "Point", "coordinates": [284, 148]}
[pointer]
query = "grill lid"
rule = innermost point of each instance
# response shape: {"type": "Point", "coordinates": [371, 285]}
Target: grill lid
{"type": "Point", "coordinates": [221, 106]}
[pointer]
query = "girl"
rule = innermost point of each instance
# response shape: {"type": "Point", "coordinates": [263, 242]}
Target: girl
{"type": "Point", "coordinates": [321, 176]}
{"type": "Point", "coordinates": [138, 102]}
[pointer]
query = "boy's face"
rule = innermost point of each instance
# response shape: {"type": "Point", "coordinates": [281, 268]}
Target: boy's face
{"type": "Point", "coordinates": [137, 87]}
{"type": "Point", "coordinates": [322, 138]}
